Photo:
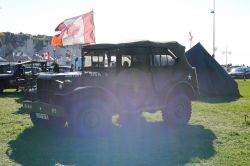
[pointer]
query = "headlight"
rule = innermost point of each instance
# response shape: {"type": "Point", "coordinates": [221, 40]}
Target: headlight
{"type": "Point", "coordinates": [67, 84]}
{"type": "Point", "coordinates": [60, 86]}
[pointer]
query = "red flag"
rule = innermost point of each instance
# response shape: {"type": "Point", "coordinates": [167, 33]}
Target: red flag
{"type": "Point", "coordinates": [76, 30]}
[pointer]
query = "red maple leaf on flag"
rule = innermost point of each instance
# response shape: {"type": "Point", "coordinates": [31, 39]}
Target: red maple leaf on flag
{"type": "Point", "coordinates": [72, 29]}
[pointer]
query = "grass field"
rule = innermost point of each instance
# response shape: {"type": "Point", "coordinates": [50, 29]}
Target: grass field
{"type": "Point", "coordinates": [217, 135]}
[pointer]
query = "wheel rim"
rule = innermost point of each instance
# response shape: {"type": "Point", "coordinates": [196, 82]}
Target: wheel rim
{"type": "Point", "coordinates": [178, 111]}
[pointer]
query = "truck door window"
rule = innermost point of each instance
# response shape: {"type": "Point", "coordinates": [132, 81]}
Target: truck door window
{"type": "Point", "coordinates": [87, 61]}
{"type": "Point", "coordinates": [126, 61]}
{"type": "Point", "coordinates": [163, 60]}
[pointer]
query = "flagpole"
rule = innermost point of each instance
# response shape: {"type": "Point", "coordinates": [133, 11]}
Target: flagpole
{"type": "Point", "coordinates": [213, 12]}
{"type": "Point", "coordinates": [190, 39]}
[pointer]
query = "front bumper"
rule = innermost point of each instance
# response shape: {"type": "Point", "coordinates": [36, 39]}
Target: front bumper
{"type": "Point", "coordinates": [45, 108]}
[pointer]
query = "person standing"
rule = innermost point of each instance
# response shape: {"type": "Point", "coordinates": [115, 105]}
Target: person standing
{"type": "Point", "coordinates": [56, 68]}
{"type": "Point", "coordinates": [18, 73]}
{"type": "Point", "coordinates": [71, 68]}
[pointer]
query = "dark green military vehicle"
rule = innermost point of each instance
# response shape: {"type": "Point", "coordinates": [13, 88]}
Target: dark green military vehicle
{"type": "Point", "coordinates": [22, 74]}
{"type": "Point", "coordinates": [125, 79]}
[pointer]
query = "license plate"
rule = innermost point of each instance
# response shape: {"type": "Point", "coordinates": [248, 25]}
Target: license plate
{"type": "Point", "coordinates": [42, 116]}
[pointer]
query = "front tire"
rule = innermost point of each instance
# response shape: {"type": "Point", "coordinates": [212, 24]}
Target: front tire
{"type": "Point", "coordinates": [92, 118]}
{"type": "Point", "coordinates": [178, 110]}
{"type": "Point", "coordinates": [1, 88]}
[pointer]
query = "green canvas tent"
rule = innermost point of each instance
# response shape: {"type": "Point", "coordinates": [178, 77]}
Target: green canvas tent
{"type": "Point", "coordinates": [213, 80]}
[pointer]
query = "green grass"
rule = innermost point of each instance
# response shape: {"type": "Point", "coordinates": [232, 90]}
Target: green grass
{"type": "Point", "coordinates": [217, 135]}
{"type": "Point", "coordinates": [227, 121]}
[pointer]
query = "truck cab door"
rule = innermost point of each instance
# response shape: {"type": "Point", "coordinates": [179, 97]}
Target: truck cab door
{"type": "Point", "coordinates": [163, 68]}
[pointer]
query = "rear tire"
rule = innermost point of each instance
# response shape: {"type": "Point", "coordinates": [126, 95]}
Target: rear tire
{"type": "Point", "coordinates": [178, 110]}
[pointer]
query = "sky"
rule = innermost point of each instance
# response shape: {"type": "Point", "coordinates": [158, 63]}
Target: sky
{"type": "Point", "coordinates": [133, 20]}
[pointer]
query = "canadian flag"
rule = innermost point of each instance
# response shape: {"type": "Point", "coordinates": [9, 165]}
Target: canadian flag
{"type": "Point", "coordinates": [76, 30]}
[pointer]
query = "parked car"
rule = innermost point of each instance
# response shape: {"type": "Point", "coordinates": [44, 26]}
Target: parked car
{"type": "Point", "coordinates": [240, 72]}
{"type": "Point", "coordinates": [229, 69]}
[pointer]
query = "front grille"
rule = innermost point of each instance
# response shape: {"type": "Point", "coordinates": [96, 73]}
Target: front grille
{"type": "Point", "coordinates": [48, 87]}
{"type": "Point", "coordinates": [45, 89]}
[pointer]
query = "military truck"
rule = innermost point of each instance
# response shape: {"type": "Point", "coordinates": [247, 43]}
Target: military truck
{"type": "Point", "coordinates": [21, 74]}
{"type": "Point", "coordinates": [124, 79]}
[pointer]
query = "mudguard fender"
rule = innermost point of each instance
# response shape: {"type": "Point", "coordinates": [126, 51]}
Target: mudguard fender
{"type": "Point", "coordinates": [184, 87]}
{"type": "Point", "coordinates": [87, 93]}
